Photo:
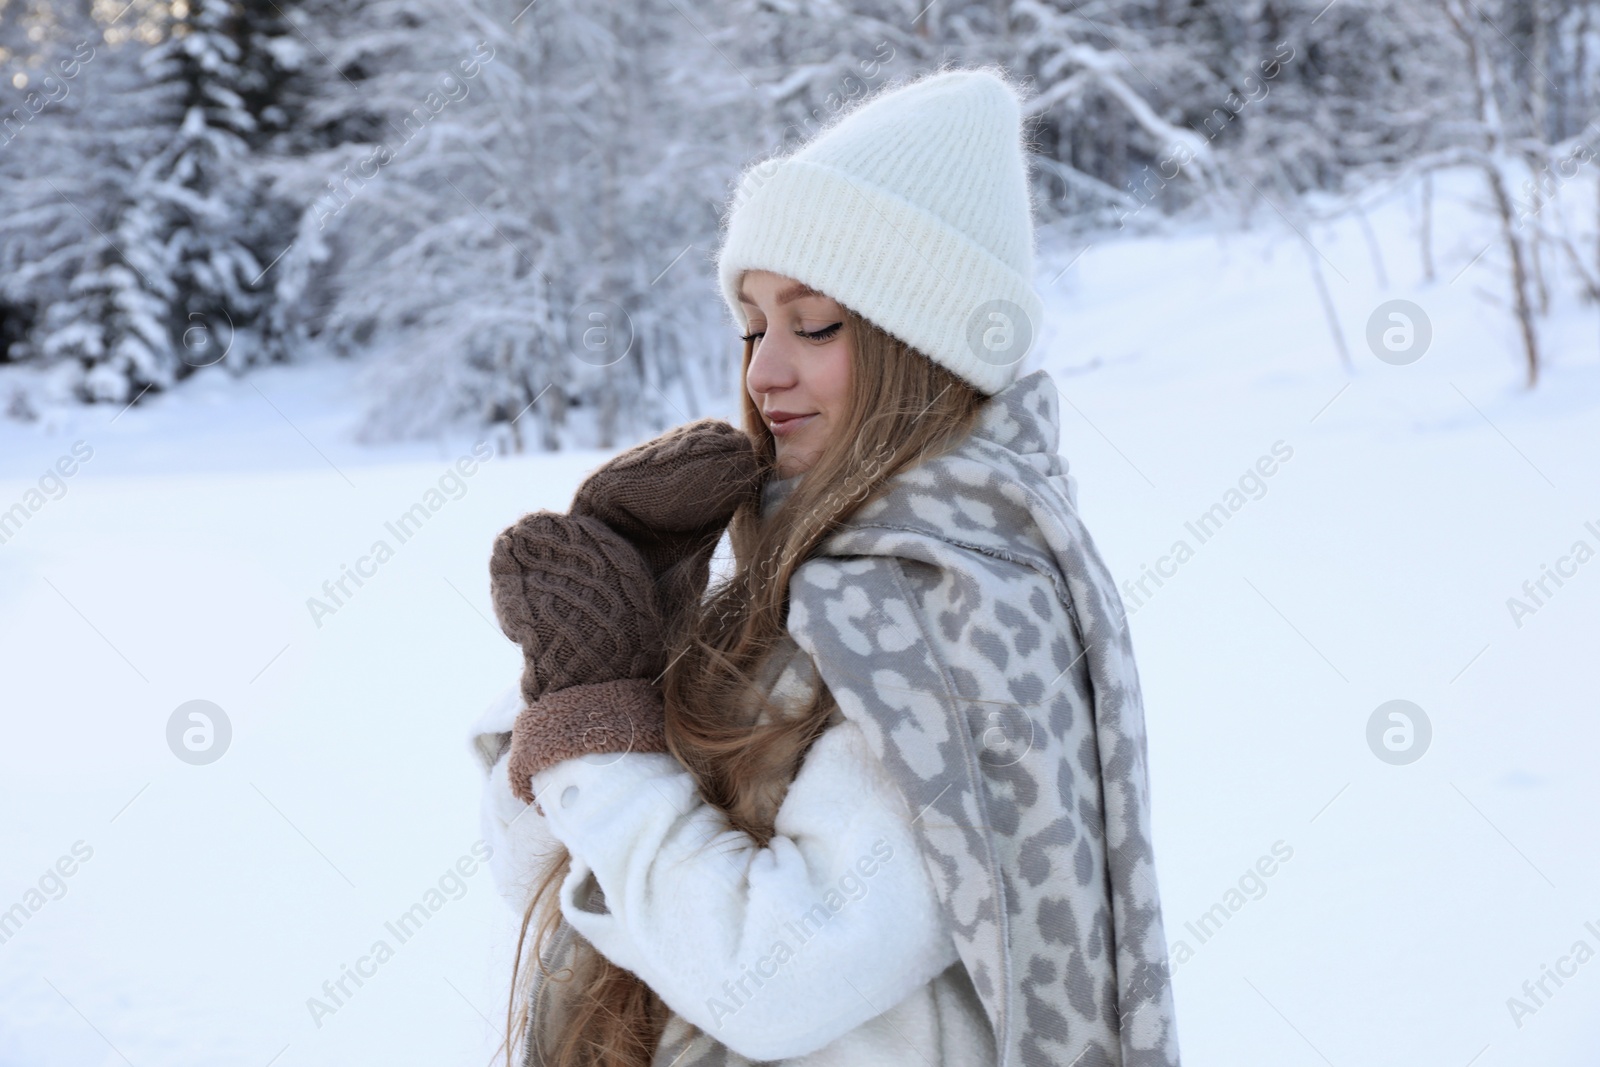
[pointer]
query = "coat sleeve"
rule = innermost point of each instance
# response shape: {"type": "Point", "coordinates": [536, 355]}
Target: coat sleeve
{"type": "Point", "coordinates": [518, 838]}
{"type": "Point", "coordinates": [774, 951]}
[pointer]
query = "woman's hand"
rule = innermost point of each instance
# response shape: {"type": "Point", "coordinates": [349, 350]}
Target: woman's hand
{"type": "Point", "coordinates": [582, 604]}
{"type": "Point", "coordinates": [672, 497]}
{"type": "Point", "coordinates": [589, 596]}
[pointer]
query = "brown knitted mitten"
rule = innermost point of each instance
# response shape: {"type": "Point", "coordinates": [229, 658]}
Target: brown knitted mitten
{"type": "Point", "coordinates": [582, 604]}
{"type": "Point", "coordinates": [672, 497]}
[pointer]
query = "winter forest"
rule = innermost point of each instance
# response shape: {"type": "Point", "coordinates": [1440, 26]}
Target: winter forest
{"type": "Point", "coordinates": [304, 302]}
{"type": "Point", "coordinates": [457, 188]}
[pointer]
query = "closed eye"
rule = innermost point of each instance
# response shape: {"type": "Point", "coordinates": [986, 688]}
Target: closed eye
{"type": "Point", "coordinates": [823, 334]}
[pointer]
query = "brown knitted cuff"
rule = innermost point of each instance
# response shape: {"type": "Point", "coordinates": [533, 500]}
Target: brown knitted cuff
{"type": "Point", "coordinates": [618, 716]}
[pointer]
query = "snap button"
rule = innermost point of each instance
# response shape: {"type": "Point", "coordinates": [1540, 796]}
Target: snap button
{"type": "Point", "coordinates": [568, 796]}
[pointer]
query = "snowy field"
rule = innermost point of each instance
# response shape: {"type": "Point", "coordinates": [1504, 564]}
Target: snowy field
{"type": "Point", "coordinates": [1407, 904]}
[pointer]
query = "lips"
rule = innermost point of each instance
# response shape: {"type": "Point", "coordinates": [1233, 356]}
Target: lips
{"type": "Point", "coordinates": [783, 423]}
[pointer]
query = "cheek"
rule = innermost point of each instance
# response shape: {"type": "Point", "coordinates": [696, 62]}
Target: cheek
{"type": "Point", "coordinates": [832, 386]}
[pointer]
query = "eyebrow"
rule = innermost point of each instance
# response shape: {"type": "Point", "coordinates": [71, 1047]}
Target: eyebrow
{"type": "Point", "coordinates": [794, 292]}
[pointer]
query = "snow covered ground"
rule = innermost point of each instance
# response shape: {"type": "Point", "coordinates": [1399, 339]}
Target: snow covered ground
{"type": "Point", "coordinates": [1407, 902]}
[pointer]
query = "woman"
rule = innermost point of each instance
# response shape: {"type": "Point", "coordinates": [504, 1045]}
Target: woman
{"type": "Point", "coordinates": [888, 801]}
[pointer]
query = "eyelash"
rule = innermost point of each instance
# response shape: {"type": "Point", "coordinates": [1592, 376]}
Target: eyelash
{"type": "Point", "coordinates": [824, 334]}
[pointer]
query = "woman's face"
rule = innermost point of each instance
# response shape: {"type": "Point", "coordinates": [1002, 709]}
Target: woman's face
{"type": "Point", "coordinates": [799, 373]}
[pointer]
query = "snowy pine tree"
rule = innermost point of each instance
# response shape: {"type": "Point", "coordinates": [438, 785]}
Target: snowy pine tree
{"type": "Point", "coordinates": [201, 188]}
{"type": "Point", "coordinates": [84, 256]}
{"type": "Point", "coordinates": [142, 206]}
{"type": "Point", "coordinates": [114, 322]}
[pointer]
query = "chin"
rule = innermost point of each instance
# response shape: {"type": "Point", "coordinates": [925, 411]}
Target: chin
{"type": "Point", "coordinates": [797, 458]}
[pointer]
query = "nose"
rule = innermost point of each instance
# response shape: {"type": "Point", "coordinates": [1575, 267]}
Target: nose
{"type": "Point", "coordinates": [772, 365]}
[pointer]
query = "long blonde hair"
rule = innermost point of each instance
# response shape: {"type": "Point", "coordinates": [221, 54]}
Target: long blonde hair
{"type": "Point", "coordinates": [902, 408]}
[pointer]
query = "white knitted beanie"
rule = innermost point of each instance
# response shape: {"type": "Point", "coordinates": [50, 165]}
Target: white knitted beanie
{"type": "Point", "coordinates": [912, 210]}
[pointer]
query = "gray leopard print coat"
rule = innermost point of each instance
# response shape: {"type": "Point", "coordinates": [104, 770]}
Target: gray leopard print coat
{"type": "Point", "coordinates": [966, 622]}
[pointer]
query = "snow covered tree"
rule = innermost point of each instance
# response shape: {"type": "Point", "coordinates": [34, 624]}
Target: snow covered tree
{"type": "Point", "coordinates": [541, 182]}
{"type": "Point", "coordinates": [114, 322]}
{"type": "Point", "coordinates": [201, 188]}
{"type": "Point", "coordinates": [141, 206]}
{"type": "Point", "coordinates": [81, 253]}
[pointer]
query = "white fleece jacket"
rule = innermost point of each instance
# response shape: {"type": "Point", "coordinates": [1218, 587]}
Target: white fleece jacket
{"type": "Point", "coordinates": [827, 948]}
